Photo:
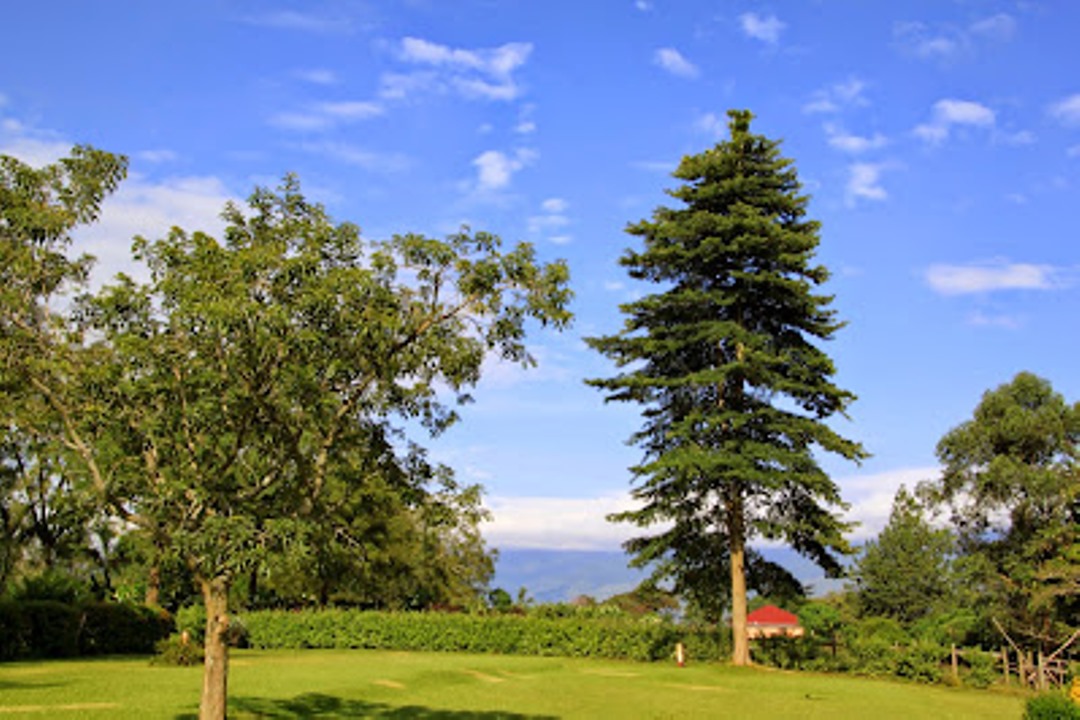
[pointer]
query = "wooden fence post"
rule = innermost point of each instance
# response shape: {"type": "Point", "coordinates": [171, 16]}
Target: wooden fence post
{"type": "Point", "coordinates": [1005, 664]}
{"type": "Point", "coordinates": [955, 665]}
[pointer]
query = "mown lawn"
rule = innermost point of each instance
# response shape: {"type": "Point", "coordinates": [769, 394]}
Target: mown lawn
{"type": "Point", "coordinates": [334, 684]}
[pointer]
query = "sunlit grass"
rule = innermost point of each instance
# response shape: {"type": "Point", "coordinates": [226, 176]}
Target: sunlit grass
{"type": "Point", "coordinates": [324, 683]}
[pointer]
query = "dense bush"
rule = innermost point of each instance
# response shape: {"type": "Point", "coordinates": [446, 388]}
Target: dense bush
{"type": "Point", "coordinates": [572, 636]}
{"type": "Point", "coordinates": [51, 629]}
{"type": "Point", "coordinates": [112, 628]}
{"type": "Point", "coordinates": [1051, 706]}
{"type": "Point", "coordinates": [179, 651]}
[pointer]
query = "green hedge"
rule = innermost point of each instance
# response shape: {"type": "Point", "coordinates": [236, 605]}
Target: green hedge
{"type": "Point", "coordinates": [620, 638]}
{"type": "Point", "coordinates": [51, 629]}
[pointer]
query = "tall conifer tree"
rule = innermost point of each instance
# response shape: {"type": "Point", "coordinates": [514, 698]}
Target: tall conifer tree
{"type": "Point", "coordinates": [723, 357]}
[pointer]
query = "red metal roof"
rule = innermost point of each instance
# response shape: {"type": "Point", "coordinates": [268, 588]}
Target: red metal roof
{"type": "Point", "coordinates": [771, 615]}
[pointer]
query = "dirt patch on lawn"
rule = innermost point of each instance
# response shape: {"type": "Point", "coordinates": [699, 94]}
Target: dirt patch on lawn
{"type": "Point", "coordinates": [483, 676]}
{"type": "Point", "coordinates": [4, 709]}
{"type": "Point", "coordinates": [388, 684]}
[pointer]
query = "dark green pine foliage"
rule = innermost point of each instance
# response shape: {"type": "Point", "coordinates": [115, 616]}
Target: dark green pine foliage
{"type": "Point", "coordinates": [724, 358]}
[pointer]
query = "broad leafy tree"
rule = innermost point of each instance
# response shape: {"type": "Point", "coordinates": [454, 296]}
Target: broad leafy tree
{"type": "Point", "coordinates": [254, 364]}
{"type": "Point", "coordinates": [1011, 482]}
{"type": "Point", "coordinates": [725, 357]}
{"type": "Point", "coordinates": [906, 572]}
{"type": "Point", "coordinates": [46, 456]}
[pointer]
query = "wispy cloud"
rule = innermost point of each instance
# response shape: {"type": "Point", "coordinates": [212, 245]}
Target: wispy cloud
{"type": "Point", "coordinates": [325, 115]}
{"type": "Point", "coordinates": [922, 41]}
{"type": "Point", "coordinates": [836, 97]}
{"type": "Point", "coordinates": [710, 124]}
{"type": "Point", "coordinates": [767, 29]}
{"type": "Point", "coordinates": [995, 276]}
{"type": "Point", "coordinates": [1000, 27]}
{"type": "Point", "coordinates": [483, 73]}
{"type": "Point", "coordinates": [317, 76]}
{"type": "Point", "coordinates": [643, 5]}
{"type": "Point", "coordinates": [302, 21]}
{"type": "Point", "coordinates": [853, 144]}
{"type": "Point", "coordinates": [864, 182]}
{"type": "Point", "coordinates": [1067, 110]}
{"type": "Point", "coordinates": [949, 113]}
{"type": "Point", "coordinates": [357, 156]}
{"type": "Point", "coordinates": [551, 221]}
{"type": "Point", "coordinates": [160, 155]}
{"type": "Point", "coordinates": [672, 61]}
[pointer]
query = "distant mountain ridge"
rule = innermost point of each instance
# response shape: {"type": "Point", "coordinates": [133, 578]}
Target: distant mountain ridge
{"type": "Point", "coordinates": [562, 575]}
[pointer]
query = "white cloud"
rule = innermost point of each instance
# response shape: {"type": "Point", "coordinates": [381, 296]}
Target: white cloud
{"type": "Point", "coordinates": [351, 110]}
{"type": "Point", "coordinates": [496, 169]}
{"type": "Point", "coordinates": [990, 277]}
{"type": "Point", "coordinates": [999, 27]}
{"type": "Point", "coordinates": [614, 286]}
{"type": "Point", "coordinates": [963, 112]}
{"type": "Point", "coordinates": [871, 496]}
{"type": "Point", "coordinates": [484, 73]}
{"type": "Point", "coordinates": [553, 219]}
{"type": "Point", "coordinates": [672, 60]}
{"type": "Point", "coordinates": [1067, 110]}
{"type": "Point", "coordinates": [643, 5]}
{"type": "Point", "coordinates": [580, 523]}
{"type": "Point", "coordinates": [525, 127]}
{"type": "Point", "coordinates": [558, 523]}
{"type": "Point", "coordinates": [759, 27]}
{"type": "Point", "coordinates": [950, 112]}
{"type": "Point", "coordinates": [837, 96]}
{"type": "Point", "coordinates": [847, 142]}
{"type": "Point", "coordinates": [151, 209]}
{"type": "Point", "coordinates": [317, 76]}
{"type": "Point", "coordinates": [554, 205]}
{"type": "Point", "coordinates": [864, 182]}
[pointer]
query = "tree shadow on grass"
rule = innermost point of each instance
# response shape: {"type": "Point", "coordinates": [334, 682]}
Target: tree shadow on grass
{"type": "Point", "coordinates": [328, 706]}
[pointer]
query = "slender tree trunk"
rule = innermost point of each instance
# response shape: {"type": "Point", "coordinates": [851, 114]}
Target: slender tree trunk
{"type": "Point", "coordinates": [740, 654]}
{"type": "Point", "coordinates": [740, 646]}
{"type": "Point", "coordinates": [153, 586]}
{"type": "Point", "coordinates": [216, 668]}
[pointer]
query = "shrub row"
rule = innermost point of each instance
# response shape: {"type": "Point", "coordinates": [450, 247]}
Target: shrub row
{"type": "Point", "coordinates": [616, 638]}
{"type": "Point", "coordinates": [875, 656]}
{"type": "Point", "coordinates": [51, 629]}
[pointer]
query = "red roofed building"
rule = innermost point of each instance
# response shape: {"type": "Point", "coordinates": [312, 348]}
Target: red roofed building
{"type": "Point", "coordinates": [771, 621]}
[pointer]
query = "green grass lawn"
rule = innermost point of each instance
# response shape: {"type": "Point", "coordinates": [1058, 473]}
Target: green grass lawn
{"type": "Point", "coordinates": [326, 683]}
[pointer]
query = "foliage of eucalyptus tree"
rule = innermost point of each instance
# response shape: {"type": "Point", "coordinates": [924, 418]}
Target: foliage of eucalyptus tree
{"type": "Point", "coordinates": [1011, 480]}
{"type": "Point", "coordinates": [724, 358]}
{"type": "Point", "coordinates": [253, 364]}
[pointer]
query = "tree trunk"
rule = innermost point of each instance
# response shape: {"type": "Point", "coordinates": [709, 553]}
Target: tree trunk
{"type": "Point", "coordinates": [153, 586]}
{"type": "Point", "coordinates": [740, 654]}
{"type": "Point", "coordinates": [216, 668]}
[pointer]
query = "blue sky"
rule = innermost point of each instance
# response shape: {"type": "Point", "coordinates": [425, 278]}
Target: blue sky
{"type": "Point", "coordinates": [940, 141]}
